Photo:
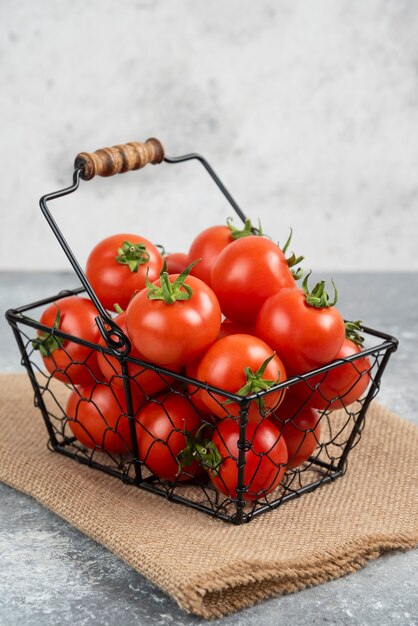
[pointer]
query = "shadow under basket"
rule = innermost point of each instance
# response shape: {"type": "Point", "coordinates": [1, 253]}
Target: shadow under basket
{"type": "Point", "coordinates": [119, 450]}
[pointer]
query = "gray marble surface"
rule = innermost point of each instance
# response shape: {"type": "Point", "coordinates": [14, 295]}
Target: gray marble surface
{"type": "Point", "coordinates": [50, 574]}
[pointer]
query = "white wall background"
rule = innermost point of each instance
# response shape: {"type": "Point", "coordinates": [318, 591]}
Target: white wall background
{"type": "Point", "coordinates": [307, 109]}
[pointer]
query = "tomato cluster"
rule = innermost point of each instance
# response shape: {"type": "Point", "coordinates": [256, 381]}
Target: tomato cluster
{"type": "Point", "coordinates": [230, 316]}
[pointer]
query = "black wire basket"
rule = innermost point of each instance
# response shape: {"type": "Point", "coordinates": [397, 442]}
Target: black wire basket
{"type": "Point", "coordinates": [337, 429]}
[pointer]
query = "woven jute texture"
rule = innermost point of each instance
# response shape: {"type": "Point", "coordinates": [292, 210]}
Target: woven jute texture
{"type": "Point", "coordinates": [212, 568]}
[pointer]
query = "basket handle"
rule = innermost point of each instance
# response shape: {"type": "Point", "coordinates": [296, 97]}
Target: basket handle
{"type": "Point", "coordinates": [118, 159]}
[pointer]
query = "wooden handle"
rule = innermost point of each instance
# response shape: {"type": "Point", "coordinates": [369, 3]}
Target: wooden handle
{"type": "Point", "coordinates": [119, 159]}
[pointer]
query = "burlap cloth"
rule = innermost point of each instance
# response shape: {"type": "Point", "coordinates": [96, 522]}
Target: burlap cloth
{"type": "Point", "coordinates": [212, 568]}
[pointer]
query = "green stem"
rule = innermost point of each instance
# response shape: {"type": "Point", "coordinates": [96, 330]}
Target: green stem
{"type": "Point", "coordinates": [170, 292]}
{"type": "Point", "coordinates": [256, 383]}
{"type": "Point", "coordinates": [292, 260]}
{"type": "Point", "coordinates": [46, 343]}
{"type": "Point", "coordinates": [199, 449]}
{"type": "Point", "coordinates": [133, 255]}
{"type": "Point", "coordinates": [247, 231]}
{"type": "Point", "coordinates": [318, 297]}
{"type": "Point", "coordinates": [352, 332]}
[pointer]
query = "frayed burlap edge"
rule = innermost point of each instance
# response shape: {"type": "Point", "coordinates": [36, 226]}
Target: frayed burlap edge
{"type": "Point", "coordinates": [231, 590]}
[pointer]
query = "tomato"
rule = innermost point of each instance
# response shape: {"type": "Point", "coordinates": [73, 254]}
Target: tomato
{"type": "Point", "coordinates": [346, 383]}
{"type": "Point", "coordinates": [300, 427]}
{"type": "Point", "coordinates": [265, 461]}
{"type": "Point", "coordinates": [196, 394]}
{"type": "Point", "coordinates": [147, 380]}
{"type": "Point", "coordinates": [245, 274]}
{"type": "Point", "coordinates": [339, 387]}
{"type": "Point", "coordinates": [67, 360]}
{"type": "Point", "coordinates": [176, 262]}
{"type": "Point", "coordinates": [162, 427]}
{"type": "Point", "coordinates": [229, 328]}
{"type": "Point", "coordinates": [178, 332]}
{"type": "Point", "coordinates": [209, 244]}
{"type": "Point", "coordinates": [97, 420]}
{"type": "Point", "coordinates": [117, 266]}
{"type": "Point", "coordinates": [303, 335]}
{"type": "Point", "coordinates": [233, 361]}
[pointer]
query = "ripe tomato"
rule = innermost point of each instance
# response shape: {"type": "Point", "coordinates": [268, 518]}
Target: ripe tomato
{"type": "Point", "coordinates": [146, 380]}
{"type": "Point", "coordinates": [97, 420]}
{"type": "Point", "coordinates": [300, 427]}
{"type": "Point", "coordinates": [196, 393]}
{"type": "Point", "coordinates": [229, 328]}
{"type": "Point", "coordinates": [234, 364]}
{"type": "Point", "coordinates": [245, 274]}
{"type": "Point", "coordinates": [341, 386]}
{"type": "Point", "coordinates": [178, 332]}
{"type": "Point", "coordinates": [303, 335]}
{"type": "Point", "coordinates": [67, 360]}
{"type": "Point", "coordinates": [117, 266]}
{"type": "Point", "coordinates": [176, 262]}
{"type": "Point", "coordinates": [209, 244]}
{"type": "Point", "coordinates": [265, 460]}
{"type": "Point", "coordinates": [162, 428]}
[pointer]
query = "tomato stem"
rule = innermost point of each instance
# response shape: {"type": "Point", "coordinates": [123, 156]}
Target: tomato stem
{"type": "Point", "coordinates": [247, 231]}
{"type": "Point", "coordinates": [318, 297]}
{"type": "Point", "coordinates": [352, 332]}
{"type": "Point", "coordinates": [256, 383]}
{"type": "Point", "coordinates": [133, 255]}
{"type": "Point", "coordinates": [118, 309]}
{"type": "Point", "coordinates": [198, 449]}
{"type": "Point", "coordinates": [292, 260]}
{"type": "Point", "coordinates": [46, 343]}
{"type": "Point", "coordinates": [170, 292]}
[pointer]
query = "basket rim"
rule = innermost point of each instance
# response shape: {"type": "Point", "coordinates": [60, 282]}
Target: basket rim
{"type": "Point", "coordinates": [17, 315]}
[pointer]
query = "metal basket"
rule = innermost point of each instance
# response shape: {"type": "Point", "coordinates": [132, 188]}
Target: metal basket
{"type": "Point", "coordinates": [340, 430]}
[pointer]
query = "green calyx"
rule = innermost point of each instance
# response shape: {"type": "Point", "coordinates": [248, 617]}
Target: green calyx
{"type": "Point", "coordinates": [46, 343]}
{"type": "Point", "coordinates": [247, 231]}
{"type": "Point", "coordinates": [256, 383]}
{"type": "Point", "coordinates": [201, 450]}
{"type": "Point", "coordinates": [318, 297]}
{"type": "Point", "coordinates": [171, 292]}
{"type": "Point", "coordinates": [352, 332]}
{"type": "Point", "coordinates": [133, 255]}
{"type": "Point", "coordinates": [292, 260]}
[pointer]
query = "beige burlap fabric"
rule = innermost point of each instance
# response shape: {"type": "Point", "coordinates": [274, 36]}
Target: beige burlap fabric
{"type": "Point", "coordinates": [212, 568]}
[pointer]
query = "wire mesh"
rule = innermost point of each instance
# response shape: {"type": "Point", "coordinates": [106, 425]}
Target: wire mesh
{"type": "Point", "coordinates": [133, 420]}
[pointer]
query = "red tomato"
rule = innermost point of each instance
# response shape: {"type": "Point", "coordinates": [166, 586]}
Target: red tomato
{"type": "Point", "coordinates": [162, 426]}
{"type": "Point", "coordinates": [97, 420]}
{"type": "Point", "coordinates": [300, 427]}
{"type": "Point", "coordinates": [224, 366]}
{"type": "Point", "coordinates": [146, 380]}
{"type": "Point", "coordinates": [176, 262]}
{"type": "Point", "coordinates": [116, 281]}
{"type": "Point", "coordinates": [245, 274]}
{"type": "Point", "coordinates": [207, 246]}
{"type": "Point", "coordinates": [265, 460]}
{"type": "Point", "coordinates": [176, 333]}
{"type": "Point", "coordinates": [196, 393]}
{"type": "Point", "coordinates": [304, 336]}
{"type": "Point", "coordinates": [67, 360]}
{"type": "Point", "coordinates": [229, 328]}
{"type": "Point", "coordinates": [339, 387]}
